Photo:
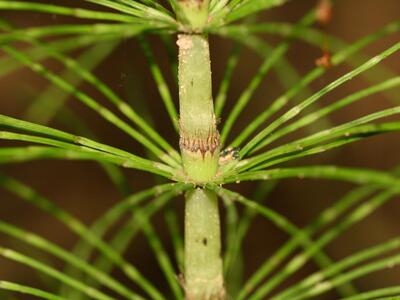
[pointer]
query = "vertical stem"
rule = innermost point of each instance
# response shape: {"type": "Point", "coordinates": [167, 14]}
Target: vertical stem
{"type": "Point", "coordinates": [203, 263]}
{"type": "Point", "coordinates": [199, 143]}
{"type": "Point", "coordinates": [199, 137]}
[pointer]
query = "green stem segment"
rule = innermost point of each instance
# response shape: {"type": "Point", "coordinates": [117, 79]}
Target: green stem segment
{"type": "Point", "coordinates": [203, 263]}
{"type": "Point", "coordinates": [199, 137]}
{"type": "Point", "coordinates": [192, 15]}
{"type": "Point", "coordinates": [200, 146]}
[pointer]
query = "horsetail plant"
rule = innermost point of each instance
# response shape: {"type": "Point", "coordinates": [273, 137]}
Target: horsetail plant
{"type": "Point", "coordinates": [203, 268]}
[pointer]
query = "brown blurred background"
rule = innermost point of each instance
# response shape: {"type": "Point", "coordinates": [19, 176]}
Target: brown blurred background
{"type": "Point", "coordinates": [83, 189]}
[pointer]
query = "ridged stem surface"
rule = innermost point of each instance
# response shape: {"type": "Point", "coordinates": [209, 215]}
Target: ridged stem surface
{"type": "Point", "coordinates": [203, 263]}
{"type": "Point", "coordinates": [199, 143]}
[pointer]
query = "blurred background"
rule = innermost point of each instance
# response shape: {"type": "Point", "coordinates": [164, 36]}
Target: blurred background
{"type": "Point", "coordinates": [84, 190]}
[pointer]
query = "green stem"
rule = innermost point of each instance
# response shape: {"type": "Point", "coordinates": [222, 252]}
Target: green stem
{"type": "Point", "coordinates": [199, 137]}
{"type": "Point", "coordinates": [192, 14]}
{"type": "Point", "coordinates": [203, 263]}
{"type": "Point", "coordinates": [199, 143]}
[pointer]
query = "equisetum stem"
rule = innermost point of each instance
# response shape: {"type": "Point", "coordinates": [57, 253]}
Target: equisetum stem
{"type": "Point", "coordinates": [203, 263]}
{"type": "Point", "coordinates": [199, 137]}
{"type": "Point", "coordinates": [200, 147]}
{"type": "Point", "coordinates": [199, 143]}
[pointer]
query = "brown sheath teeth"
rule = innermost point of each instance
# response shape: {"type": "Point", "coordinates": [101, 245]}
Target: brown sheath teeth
{"type": "Point", "coordinates": [204, 145]}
